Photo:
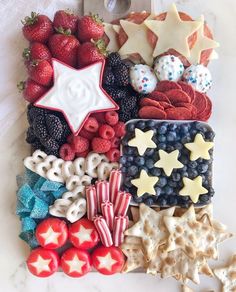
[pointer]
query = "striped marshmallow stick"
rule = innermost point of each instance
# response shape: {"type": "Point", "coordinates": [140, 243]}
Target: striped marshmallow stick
{"type": "Point", "coordinates": [120, 225]}
{"type": "Point", "coordinates": [108, 213]}
{"type": "Point", "coordinates": [103, 231]}
{"type": "Point", "coordinates": [91, 197]}
{"type": "Point", "coordinates": [114, 184]}
{"type": "Point", "coordinates": [122, 203]}
{"type": "Point", "coordinates": [102, 193]}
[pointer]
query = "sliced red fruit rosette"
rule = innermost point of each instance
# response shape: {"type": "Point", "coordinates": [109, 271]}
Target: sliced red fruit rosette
{"type": "Point", "coordinates": [108, 260]}
{"type": "Point", "coordinates": [175, 101]}
{"type": "Point", "coordinates": [42, 262]}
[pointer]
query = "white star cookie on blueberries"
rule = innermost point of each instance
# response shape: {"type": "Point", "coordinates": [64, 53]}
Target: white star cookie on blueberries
{"type": "Point", "coordinates": [199, 148]}
{"type": "Point", "coordinates": [110, 31]}
{"type": "Point", "coordinates": [145, 183]}
{"type": "Point", "coordinates": [172, 33]}
{"type": "Point", "coordinates": [168, 161]}
{"type": "Point", "coordinates": [142, 141]}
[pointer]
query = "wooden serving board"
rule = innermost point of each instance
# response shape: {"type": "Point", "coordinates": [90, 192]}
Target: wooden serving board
{"type": "Point", "coordinates": [113, 9]}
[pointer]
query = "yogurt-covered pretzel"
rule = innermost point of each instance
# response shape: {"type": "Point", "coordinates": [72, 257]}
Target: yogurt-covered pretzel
{"type": "Point", "coordinates": [76, 210]}
{"type": "Point", "coordinates": [31, 161]}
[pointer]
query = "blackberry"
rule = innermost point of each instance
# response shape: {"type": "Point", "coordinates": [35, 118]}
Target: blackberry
{"type": "Point", "coordinates": [34, 111]}
{"type": "Point", "coordinates": [37, 145]}
{"type": "Point", "coordinates": [117, 93]}
{"type": "Point", "coordinates": [50, 144]}
{"type": "Point", "coordinates": [113, 59]}
{"type": "Point", "coordinates": [129, 103]}
{"type": "Point", "coordinates": [54, 126]}
{"type": "Point", "coordinates": [121, 73]}
{"type": "Point", "coordinates": [124, 116]}
{"type": "Point", "coordinates": [108, 76]}
{"type": "Point", "coordinates": [52, 152]}
{"type": "Point", "coordinates": [39, 127]}
{"type": "Point", "coordinates": [30, 136]}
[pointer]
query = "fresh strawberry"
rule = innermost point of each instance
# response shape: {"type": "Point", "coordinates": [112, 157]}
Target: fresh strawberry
{"type": "Point", "coordinates": [41, 72]}
{"type": "Point", "coordinates": [64, 47]}
{"type": "Point", "coordinates": [36, 51]}
{"type": "Point", "coordinates": [37, 28]}
{"type": "Point", "coordinates": [90, 27]}
{"type": "Point", "coordinates": [91, 52]}
{"type": "Point", "coordinates": [31, 90]}
{"type": "Point", "coordinates": [66, 20]}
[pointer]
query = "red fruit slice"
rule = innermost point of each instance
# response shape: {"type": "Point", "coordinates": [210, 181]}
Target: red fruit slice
{"type": "Point", "coordinates": [188, 106]}
{"type": "Point", "coordinates": [188, 89]}
{"type": "Point", "coordinates": [52, 233]}
{"type": "Point", "coordinates": [150, 102]}
{"type": "Point", "coordinates": [83, 234]}
{"type": "Point", "coordinates": [76, 262]}
{"type": "Point", "coordinates": [200, 102]}
{"type": "Point", "coordinates": [108, 260]}
{"type": "Point", "coordinates": [205, 115]}
{"type": "Point", "coordinates": [166, 85]}
{"type": "Point", "coordinates": [166, 105]}
{"type": "Point", "coordinates": [177, 95]}
{"type": "Point", "coordinates": [178, 113]}
{"type": "Point", "coordinates": [151, 112]}
{"type": "Point", "coordinates": [43, 262]}
{"type": "Point", "coordinates": [159, 96]}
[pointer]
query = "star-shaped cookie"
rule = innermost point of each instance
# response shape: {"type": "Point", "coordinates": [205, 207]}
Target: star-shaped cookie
{"type": "Point", "coordinates": [199, 148]}
{"type": "Point", "coordinates": [145, 183]}
{"type": "Point", "coordinates": [172, 33]}
{"type": "Point", "coordinates": [110, 31]}
{"type": "Point", "coordinates": [168, 161]}
{"type": "Point", "coordinates": [193, 188]}
{"type": "Point", "coordinates": [142, 141]}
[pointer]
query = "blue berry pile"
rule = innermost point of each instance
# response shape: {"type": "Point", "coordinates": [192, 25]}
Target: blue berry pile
{"type": "Point", "coordinates": [48, 130]}
{"type": "Point", "coordinates": [168, 136]}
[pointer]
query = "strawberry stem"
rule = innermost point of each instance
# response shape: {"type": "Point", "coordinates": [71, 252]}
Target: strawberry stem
{"type": "Point", "coordinates": [26, 54]}
{"type": "Point", "coordinates": [21, 86]}
{"type": "Point", "coordinates": [30, 20]}
{"type": "Point", "coordinates": [101, 46]}
{"type": "Point", "coordinates": [96, 18]}
{"type": "Point", "coordinates": [63, 31]}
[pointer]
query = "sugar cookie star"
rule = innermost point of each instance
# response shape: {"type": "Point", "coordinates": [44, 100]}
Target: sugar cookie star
{"type": "Point", "coordinates": [111, 33]}
{"type": "Point", "coordinates": [193, 188]}
{"type": "Point", "coordinates": [202, 43]}
{"type": "Point", "coordinates": [172, 33]}
{"type": "Point", "coordinates": [199, 148]}
{"type": "Point", "coordinates": [137, 41]}
{"type": "Point", "coordinates": [142, 141]}
{"type": "Point", "coordinates": [168, 161]}
{"type": "Point", "coordinates": [145, 184]}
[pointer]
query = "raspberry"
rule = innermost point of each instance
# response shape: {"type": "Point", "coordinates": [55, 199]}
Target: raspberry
{"type": "Point", "coordinates": [106, 132]}
{"type": "Point", "coordinates": [115, 142]}
{"type": "Point", "coordinates": [119, 129]}
{"type": "Point", "coordinates": [100, 145]}
{"type": "Point", "coordinates": [66, 152]}
{"type": "Point", "coordinates": [80, 144]}
{"type": "Point", "coordinates": [113, 155]}
{"type": "Point", "coordinates": [91, 125]}
{"type": "Point", "coordinates": [82, 154]}
{"type": "Point", "coordinates": [88, 135]}
{"type": "Point", "coordinates": [100, 117]}
{"type": "Point", "coordinates": [54, 126]}
{"type": "Point", "coordinates": [114, 59]}
{"type": "Point", "coordinates": [111, 118]}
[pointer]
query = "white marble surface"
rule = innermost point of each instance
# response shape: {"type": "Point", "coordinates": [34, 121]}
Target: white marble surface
{"type": "Point", "coordinates": [13, 274]}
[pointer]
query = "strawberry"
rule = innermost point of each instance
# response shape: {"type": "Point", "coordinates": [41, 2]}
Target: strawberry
{"type": "Point", "coordinates": [91, 52]}
{"type": "Point", "coordinates": [31, 90]}
{"type": "Point", "coordinates": [90, 27]}
{"type": "Point", "coordinates": [65, 20]}
{"type": "Point", "coordinates": [41, 72]}
{"type": "Point", "coordinates": [36, 51]}
{"type": "Point", "coordinates": [37, 28]}
{"type": "Point", "coordinates": [64, 47]}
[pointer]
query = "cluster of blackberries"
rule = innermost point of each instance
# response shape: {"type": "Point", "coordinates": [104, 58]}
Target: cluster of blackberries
{"type": "Point", "coordinates": [168, 136]}
{"type": "Point", "coordinates": [116, 83]}
{"type": "Point", "coordinates": [48, 130]}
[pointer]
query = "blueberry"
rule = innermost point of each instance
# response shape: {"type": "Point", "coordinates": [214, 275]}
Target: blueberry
{"type": "Point", "coordinates": [128, 150]}
{"type": "Point", "coordinates": [139, 160]}
{"type": "Point", "coordinates": [132, 170]}
{"type": "Point", "coordinates": [162, 129]}
{"type": "Point", "coordinates": [186, 139]}
{"type": "Point", "coordinates": [210, 135]}
{"type": "Point", "coordinates": [204, 198]}
{"type": "Point", "coordinates": [162, 146]}
{"type": "Point", "coordinates": [144, 168]}
{"type": "Point", "coordinates": [162, 182]}
{"type": "Point", "coordinates": [201, 127]}
{"type": "Point", "coordinates": [158, 191]}
{"type": "Point", "coordinates": [130, 127]}
{"type": "Point", "coordinates": [149, 163]}
{"type": "Point", "coordinates": [130, 158]}
{"type": "Point", "coordinates": [170, 148]}
{"type": "Point", "coordinates": [184, 128]}
{"type": "Point", "coordinates": [149, 152]}
{"type": "Point", "coordinates": [137, 199]}
{"type": "Point", "coordinates": [123, 160]}
{"type": "Point", "coordinates": [192, 173]}
{"type": "Point", "coordinates": [162, 138]}
{"type": "Point", "coordinates": [171, 136]}
{"type": "Point", "coordinates": [172, 127]}
{"type": "Point", "coordinates": [178, 146]}
{"type": "Point", "coordinates": [149, 201]}
{"type": "Point", "coordinates": [161, 202]}
{"type": "Point", "coordinates": [172, 184]}
{"type": "Point", "coordinates": [172, 201]}
{"type": "Point", "coordinates": [141, 125]}
{"type": "Point", "coordinates": [184, 174]}
{"type": "Point", "coordinates": [123, 169]}
{"type": "Point", "coordinates": [202, 168]}
{"type": "Point", "coordinates": [155, 171]}
{"type": "Point", "coordinates": [168, 190]}
{"type": "Point", "coordinates": [194, 132]}
{"type": "Point", "coordinates": [150, 123]}
{"type": "Point", "coordinates": [192, 164]}
{"type": "Point", "coordinates": [176, 177]}
{"type": "Point", "coordinates": [127, 182]}
{"type": "Point", "coordinates": [184, 159]}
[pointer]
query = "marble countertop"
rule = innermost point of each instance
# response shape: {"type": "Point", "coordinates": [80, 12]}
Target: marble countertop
{"type": "Point", "coordinates": [13, 273]}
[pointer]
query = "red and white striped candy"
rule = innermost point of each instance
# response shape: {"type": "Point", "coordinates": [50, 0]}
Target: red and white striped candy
{"type": "Point", "coordinates": [102, 193]}
{"type": "Point", "coordinates": [92, 204]}
{"type": "Point", "coordinates": [122, 203]}
{"type": "Point", "coordinates": [103, 231]}
{"type": "Point", "coordinates": [108, 213]}
{"type": "Point", "coordinates": [114, 184]}
{"type": "Point", "coordinates": [120, 225]}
